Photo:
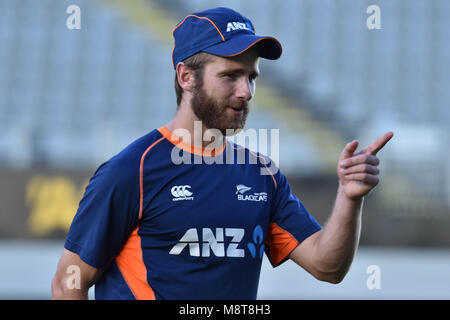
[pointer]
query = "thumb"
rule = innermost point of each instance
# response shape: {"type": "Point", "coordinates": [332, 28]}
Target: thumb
{"type": "Point", "coordinates": [349, 149]}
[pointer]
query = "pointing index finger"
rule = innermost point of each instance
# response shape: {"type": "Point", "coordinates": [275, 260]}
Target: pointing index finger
{"type": "Point", "coordinates": [378, 144]}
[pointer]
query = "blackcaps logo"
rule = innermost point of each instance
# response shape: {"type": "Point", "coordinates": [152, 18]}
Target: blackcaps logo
{"type": "Point", "coordinates": [256, 196]}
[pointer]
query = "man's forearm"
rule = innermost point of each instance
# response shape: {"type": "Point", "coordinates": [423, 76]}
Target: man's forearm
{"type": "Point", "coordinates": [340, 237]}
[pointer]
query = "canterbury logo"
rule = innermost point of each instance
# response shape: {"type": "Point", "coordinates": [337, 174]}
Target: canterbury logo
{"type": "Point", "coordinates": [238, 26]}
{"type": "Point", "coordinates": [181, 193]}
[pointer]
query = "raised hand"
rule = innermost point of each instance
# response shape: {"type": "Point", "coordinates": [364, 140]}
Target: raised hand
{"type": "Point", "coordinates": [358, 172]}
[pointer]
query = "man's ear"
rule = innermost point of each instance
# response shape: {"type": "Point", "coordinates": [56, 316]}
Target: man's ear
{"type": "Point", "coordinates": [185, 77]}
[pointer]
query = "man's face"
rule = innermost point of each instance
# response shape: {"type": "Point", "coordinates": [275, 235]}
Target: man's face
{"type": "Point", "coordinates": [221, 97]}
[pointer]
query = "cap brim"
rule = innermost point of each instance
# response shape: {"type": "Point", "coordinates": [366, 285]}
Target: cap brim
{"type": "Point", "coordinates": [268, 47]}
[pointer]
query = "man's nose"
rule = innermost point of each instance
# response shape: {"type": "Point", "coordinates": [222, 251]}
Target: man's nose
{"type": "Point", "coordinates": [244, 89]}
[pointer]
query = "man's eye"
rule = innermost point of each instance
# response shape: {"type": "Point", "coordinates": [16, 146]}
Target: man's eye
{"type": "Point", "coordinates": [230, 76]}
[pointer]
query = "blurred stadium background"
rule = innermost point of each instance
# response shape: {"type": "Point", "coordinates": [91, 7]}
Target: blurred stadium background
{"type": "Point", "coordinates": [70, 99]}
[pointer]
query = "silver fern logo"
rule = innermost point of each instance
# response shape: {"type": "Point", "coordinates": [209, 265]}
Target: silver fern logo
{"type": "Point", "coordinates": [241, 189]}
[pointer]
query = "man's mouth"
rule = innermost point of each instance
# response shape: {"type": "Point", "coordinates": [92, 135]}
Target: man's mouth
{"type": "Point", "coordinates": [236, 110]}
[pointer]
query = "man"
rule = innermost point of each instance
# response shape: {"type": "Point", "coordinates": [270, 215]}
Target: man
{"type": "Point", "coordinates": [148, 228]}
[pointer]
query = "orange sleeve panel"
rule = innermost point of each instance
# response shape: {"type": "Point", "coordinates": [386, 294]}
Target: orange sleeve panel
{"type": "Point", "coordinates": [280, 243]}
{"type": "Point", "coordinates": [132, 267]}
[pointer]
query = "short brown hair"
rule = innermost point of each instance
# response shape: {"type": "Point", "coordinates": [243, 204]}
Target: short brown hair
{"type": "Point", "coordinates": [197, 63]}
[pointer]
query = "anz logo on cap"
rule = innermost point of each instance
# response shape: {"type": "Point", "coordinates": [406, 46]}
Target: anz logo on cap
{"type": "Point", "coordinates": [238, 26]}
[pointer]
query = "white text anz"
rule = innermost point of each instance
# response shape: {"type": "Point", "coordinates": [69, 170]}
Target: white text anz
{"type": "Point", "coordinates": [211, 242]}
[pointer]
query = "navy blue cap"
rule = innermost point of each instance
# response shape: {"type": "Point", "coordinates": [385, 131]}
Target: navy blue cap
{"type": "Point", "coordinates": [220, 31]}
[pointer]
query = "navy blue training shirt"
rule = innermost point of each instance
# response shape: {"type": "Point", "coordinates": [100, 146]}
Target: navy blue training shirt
{"type": "Point", "coordinates": [162, 230]}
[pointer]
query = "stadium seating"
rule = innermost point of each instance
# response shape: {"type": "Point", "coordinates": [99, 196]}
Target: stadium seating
{"type": "Point", "coordinates": [73, 98]}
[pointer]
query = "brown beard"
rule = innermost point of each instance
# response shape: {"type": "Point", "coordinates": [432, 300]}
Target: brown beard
{"type": "Point", "coordinates": [213, 113]}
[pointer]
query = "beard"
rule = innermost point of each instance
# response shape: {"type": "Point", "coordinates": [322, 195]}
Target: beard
{"type": "Point", "coordinates": [213, 112]}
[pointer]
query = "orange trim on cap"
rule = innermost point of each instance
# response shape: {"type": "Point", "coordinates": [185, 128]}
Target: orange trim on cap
{"type": "Point", "coordinates": [280, 243]}
{"type": "Point", "coordinates": [265, 165]}
{"type": "Point", "coordinates": [200, 151]}
{"type": "Point", "coordinates": [173, 62]}
{"type": "Point", "coordinates": [204, 18]}
{"type": "Point", "coordinates": [132, 267]}
{"type": "Point", "coordinates": [141, 177]}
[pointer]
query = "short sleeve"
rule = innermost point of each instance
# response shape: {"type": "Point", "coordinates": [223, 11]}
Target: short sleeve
{"type": "Point", "coordinates": [290, 222]}
{"type": "Point", "coordinates": [107, 213]}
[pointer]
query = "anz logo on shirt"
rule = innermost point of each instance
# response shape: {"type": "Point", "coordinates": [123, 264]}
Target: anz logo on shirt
{"type": "Point", "coordinates": [214, 243]}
